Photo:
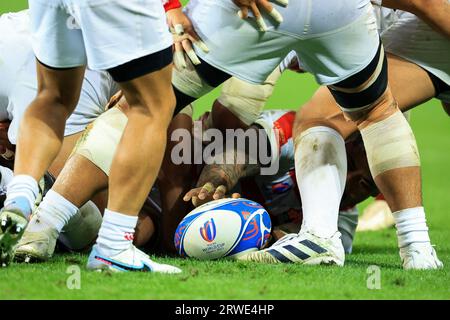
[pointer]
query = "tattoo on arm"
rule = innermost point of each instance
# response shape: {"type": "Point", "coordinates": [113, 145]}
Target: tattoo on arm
{"type": "Point", "coordinates": [228, 174]}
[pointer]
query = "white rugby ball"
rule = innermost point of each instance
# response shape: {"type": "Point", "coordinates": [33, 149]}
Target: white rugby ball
{"type": "Point", "coordinates": [223, 228]}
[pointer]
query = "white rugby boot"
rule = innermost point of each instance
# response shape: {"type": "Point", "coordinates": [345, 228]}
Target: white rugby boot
{"type": "Point", "coordinates": [37, 246]}
{"type": "Point", "coordinates": [420, 256]}
{"type": "Point", "coordinates": [303, 248]}
{"type": "Point", "coordinates": [131, 259]}
{"type": "Point", "coordinates": [12, 227]}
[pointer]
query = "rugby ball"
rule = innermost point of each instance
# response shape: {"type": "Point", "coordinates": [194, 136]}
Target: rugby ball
{"type": "Point", "coordinates": [223, 228]}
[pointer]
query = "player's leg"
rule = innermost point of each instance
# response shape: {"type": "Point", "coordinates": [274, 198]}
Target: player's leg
{"type": "Point", "coordinates": [84, 175]}
{"type": "Point", "coordinates": [43, 121]}
{"type": "Point", "coordinates": [143, 142]}
{"type": "Point", "coordinates": [133, 171]}
{"type": "Point", "coordinates": [400, 72]}
{"type": "Point", "coordinates": [365, 97]}
{"type": "Point", "coordinates": [60, 74]}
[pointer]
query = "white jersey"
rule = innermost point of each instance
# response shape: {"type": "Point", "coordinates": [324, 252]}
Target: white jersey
{"type": "Point", "coordinates": [412, 39]}
{"type": "Point", "coordinates": [18, 80]}
{"type": "Point", "coordinates": [385, 17]}
{"type": "Point", "coordinates": [310, 28]}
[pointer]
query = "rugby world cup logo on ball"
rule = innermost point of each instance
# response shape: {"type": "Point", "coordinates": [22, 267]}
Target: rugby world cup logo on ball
{"type": "Point", "coordinates": [223, 228]}
{"type": "Point", "coordinates": [208, 231]}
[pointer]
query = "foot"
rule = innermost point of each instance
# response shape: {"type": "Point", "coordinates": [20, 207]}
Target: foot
{"type": "Point", "coordinates": [131, 259]}
{"type": "Point", "coordinates": [303, 248]}
{"type": "Point", "coordinates": [377, 216]}
{"type": "Point", "coordinates": [12, 227]}
{"type": "Point", "coordinates": [419, 256]}
{"type": "Point", "coordinates": [37, 246]}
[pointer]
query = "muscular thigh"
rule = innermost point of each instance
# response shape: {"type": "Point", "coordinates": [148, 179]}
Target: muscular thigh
{"type": "Point", "coordinates": [410, 85]}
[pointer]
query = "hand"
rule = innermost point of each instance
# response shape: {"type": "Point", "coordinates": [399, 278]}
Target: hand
{"type": "Point", "coordinates": [183, 37]}
{"type": "Point", "coordinates": [253, 6]}
{"type": "Point", "coordinates": [207, 193]}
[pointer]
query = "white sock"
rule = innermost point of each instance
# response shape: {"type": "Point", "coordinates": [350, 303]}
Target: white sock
{"type": "Point", "coordinates": [54, 211]}
{"type": "Point", "coordinates": [321, 171]}
{"type": "Point", "coordinates": [22, 192]}
{"type": "Point", "coordinates": [7, 176]}
{"type": "Point", "coordinates": [411, 226]}
{"type": "Point", "coordinates": [116, 233]}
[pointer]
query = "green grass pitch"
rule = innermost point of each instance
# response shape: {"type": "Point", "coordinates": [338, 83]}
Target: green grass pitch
{"type": "Point", "coordinates": [237, 280]}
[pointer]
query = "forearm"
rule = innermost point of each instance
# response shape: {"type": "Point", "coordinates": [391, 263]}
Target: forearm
{"type": "Point", "coordinates": [227, 174]}
{"type": "Point", "coordinates": [436, 13]}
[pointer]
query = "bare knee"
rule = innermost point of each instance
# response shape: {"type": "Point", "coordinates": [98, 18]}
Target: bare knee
{"type": "Point", "coordinates": [306, 119]}
{"type": "Point", "coordinates": [60, 106]}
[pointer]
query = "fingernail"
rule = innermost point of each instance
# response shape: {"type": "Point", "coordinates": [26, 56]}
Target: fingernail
{"type": "Point", "coordinates": [191, 54]}
{"type": "Point", "coordinates": [240, 14]}
{"type": "Point", "coordinates": [262, 24]}
{"type": "Point", "coordinates": [276, 15]}
{"type": "Point", "coordinates": [202, 46]}
{"type": "Point", "coordinates": [283, 2]}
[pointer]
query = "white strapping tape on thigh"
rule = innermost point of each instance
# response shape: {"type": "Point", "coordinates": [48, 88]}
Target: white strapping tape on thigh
{"type": "Point", "coordinates": [189, 82]}
{"type": "Point", "coordinates": [247, 100]}
{"type": "Point", "coordinates": [99, 141]}
{"type": "Point", "coordinates": [390, 144]}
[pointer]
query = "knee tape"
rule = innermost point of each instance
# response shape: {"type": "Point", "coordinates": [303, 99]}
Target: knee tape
{"type": "Point", "coordinates": [100, 139]}
{"type": "Point", "coordinates": [246, 100]}
{"type": "Point", "coordinates": [390, 144]}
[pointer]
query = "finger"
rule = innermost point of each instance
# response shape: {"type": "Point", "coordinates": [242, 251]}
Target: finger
{"type": "Point", "coordinates": [243, 13]}
{"type": "Point", "coordinates": [196, 202]}
{"type": "Point", "coordinates": [198, 42]}
{"type": "Point", "coordinates": [259, 19]}
{"type": "Point", "coordinates": [274, 13]}
{"type": "Point", "coordinates": [220, 192]}
{"type": "Point", "coordinates": [236, 195]}
{"type": "Point", "coordinates": [284, 3]}
{"type": "Point", "coordinates": [206, 190]}
{"type": "Point", "coordinates": [178, 57]}
{"type": "Point", "coordinates": [190, 52]}
{"type": "Point", "coordinates": [178, 28]}
{"type": "Point", "coordinates": [190, 194]}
